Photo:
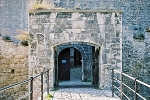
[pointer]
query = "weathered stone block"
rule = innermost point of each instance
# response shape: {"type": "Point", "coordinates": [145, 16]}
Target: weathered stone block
{"type": "Point", "coordinates": [78, 24]}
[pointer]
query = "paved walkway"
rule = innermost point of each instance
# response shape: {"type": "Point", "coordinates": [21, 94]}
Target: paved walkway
{"type": "Point", "coordinates": [76, 90]}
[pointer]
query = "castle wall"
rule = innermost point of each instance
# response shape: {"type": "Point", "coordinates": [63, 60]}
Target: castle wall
{"type": "Point", "coordinates": [51, 28]}
{"type": "Point", "coordinates": [13, 68]}
{"type": "Point", "coordinates": [135, 21]}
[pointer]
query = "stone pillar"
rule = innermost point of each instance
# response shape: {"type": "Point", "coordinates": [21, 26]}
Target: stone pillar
{"type": "Point", "coordinates": [52, 69]}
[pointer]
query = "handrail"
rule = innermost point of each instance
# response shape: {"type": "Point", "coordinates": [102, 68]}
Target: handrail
{"type": "Point", "coordinates": [136, 81]}
{"type": "Point", "coordinates": [31, 81]}
{"type": "Point", "coordinates": [147, 85]}
{"type": "Point", "coordinates": [6, 87]}
{"type": "Point", "coordinates": [143, 83]}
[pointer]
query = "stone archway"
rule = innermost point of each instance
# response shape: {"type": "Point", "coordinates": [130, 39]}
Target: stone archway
{"type": "Point", "coordinates": [90, 61]}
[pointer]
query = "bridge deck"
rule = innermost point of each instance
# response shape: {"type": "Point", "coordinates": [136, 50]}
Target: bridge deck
{"type": "Point", "coordinates": [77, 90]}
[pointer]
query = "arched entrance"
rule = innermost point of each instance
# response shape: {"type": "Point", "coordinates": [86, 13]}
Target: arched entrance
{"type": "Point", "coordinates": [77, 61]}
{"type": "Point", "coordinates": [69, 64]}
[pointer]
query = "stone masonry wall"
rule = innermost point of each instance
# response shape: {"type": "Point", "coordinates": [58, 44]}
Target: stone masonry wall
{"type": "Point", "coordinates": [50, 28]}
{"type": "Point", "coordinates": [13, 68]}
{"type": "Point", "coordinates": [135, 18]}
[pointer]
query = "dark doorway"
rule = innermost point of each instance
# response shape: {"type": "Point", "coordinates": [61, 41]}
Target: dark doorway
{"type": "Point", "coordinates": [77, 63]}
{"type": "Point", "coordinates": [64, 65]}
{"type": "Point", "coordinates": [69, 59]}
{"type": "Point", "coordinates": [95, 67]}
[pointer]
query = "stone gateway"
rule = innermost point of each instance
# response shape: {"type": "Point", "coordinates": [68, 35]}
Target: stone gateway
{"type": "Point", "coordinates": [90, 36]}
{"type": "Point", "coordinates": [86, 40]}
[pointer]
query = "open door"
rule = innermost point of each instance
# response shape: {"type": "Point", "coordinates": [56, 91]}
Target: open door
{"type": "Point", "coordinates": [64, 65]}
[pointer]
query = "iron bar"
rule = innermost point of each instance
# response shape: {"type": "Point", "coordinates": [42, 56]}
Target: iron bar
{"type": "Point", "coordinates": [135, 90]}
{"type": "Point", "coordinates": [7, 87]}
{"type": "Point", "coordinates": [136, 81]}
{"type": "Point", "coordinates": [128, 87]}
{"type": "Point", "coordinates": [147, 85]}
{"type": "Point", "coordinates": [112, 83]}
{"type": "Point", "coordinates": [117, 88]}
{"type": "Point", "coordinates": [47, 81]}
{"type": "Point", "coordinates": [128, 76]}
{"type": "Point", "coordinates": [42, 86]}
{"type": "Point", "coordinates": [117, 80]}
{"type": "Point", "coordinates": [121, 85]}
{"type": "Point", "coordinates": [141, 96]}
{"type": "Point", "coordinates": [36, 76]}
{"type": "Point", "coordinates": [125, 95]}
{"type": "Point", "coordinates": [31, 88]}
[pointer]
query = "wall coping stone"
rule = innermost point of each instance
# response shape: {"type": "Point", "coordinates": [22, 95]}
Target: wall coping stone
{"type": "Point", "coordinates": [73, 11]}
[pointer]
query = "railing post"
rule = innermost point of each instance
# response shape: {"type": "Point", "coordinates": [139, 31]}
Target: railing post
{"type": "Point", "coordinates": [112, 83]}
{"type": "Point", "coordinates": [42, 86]}
{"type": "Point", "coordinates": [121, 86]}
{"type": "Point", "coordinates": [47, 81]}
{"type": "Point", "coordinates": [31, 88]}
{"type": "Point", "coordinates": [135, 84]}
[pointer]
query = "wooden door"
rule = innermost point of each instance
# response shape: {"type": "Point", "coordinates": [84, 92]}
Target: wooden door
{"type": "Point", "coordinates": [64, 65]}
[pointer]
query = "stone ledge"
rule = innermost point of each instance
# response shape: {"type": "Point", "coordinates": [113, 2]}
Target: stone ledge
{"type": "Point", "coordinates": [73, 11]}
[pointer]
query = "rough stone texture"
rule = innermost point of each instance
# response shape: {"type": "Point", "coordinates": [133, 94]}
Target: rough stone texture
{"type": "Point", "coordinates": [13, 68]}
{"type": "Point", "coordinates": [59, 30]}
{"type": "Point", "coordinates": [135, 19]}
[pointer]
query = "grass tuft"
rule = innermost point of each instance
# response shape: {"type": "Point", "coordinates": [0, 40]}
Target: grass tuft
{"type": "Point", "coordinates": [40, 6]}
{"type": "Point", "coordinates": [22, 36]}
{"type": "Point", "coordinates": [49, 96]}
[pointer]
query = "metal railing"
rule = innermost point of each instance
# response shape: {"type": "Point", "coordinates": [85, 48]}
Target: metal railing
{"type": "Point", "coordinates": [13, 92]}
{"type": "Point", "coordinates": [136, 87]}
